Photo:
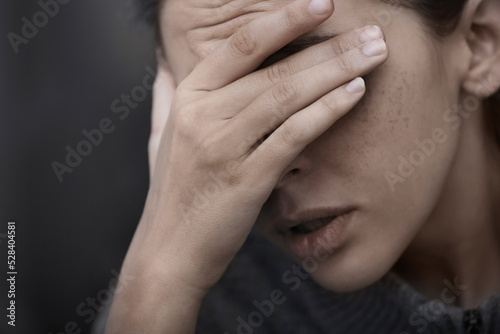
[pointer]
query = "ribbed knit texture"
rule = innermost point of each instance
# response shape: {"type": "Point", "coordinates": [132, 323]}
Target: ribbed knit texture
{"type": "Point", "coordinates": [389, 306]}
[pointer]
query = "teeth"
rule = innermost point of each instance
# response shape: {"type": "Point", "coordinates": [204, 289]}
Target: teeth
{"type": "Point", "coordinates": [312, 225]}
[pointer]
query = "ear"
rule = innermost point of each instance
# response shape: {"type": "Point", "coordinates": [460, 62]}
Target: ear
{"type": "Point", "coordinates": [482, 19]}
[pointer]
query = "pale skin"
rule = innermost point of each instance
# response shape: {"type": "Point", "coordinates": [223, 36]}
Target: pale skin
{"type": "Point", "coordinates": [293, 136]}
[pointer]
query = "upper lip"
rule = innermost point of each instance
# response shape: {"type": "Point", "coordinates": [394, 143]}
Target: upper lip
{"type": "Point", "coordinates": [286, 222]}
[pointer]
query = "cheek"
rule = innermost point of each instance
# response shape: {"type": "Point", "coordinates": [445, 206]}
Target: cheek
{"type": "Point", "coordinates": [396, 121]}
{"type": "Point", "coordinates": [395, 147]}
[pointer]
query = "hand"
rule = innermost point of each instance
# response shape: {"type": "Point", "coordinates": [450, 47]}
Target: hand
{"type": "Point", "coordinates": [231, 133]}
{"type": "Point", "coordinates": [215, 170]}
{"type": "Point", "coordinates": [163, 94]}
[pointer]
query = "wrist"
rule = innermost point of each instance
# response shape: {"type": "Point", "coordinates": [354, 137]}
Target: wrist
{"type": "Point", "coordinates": [153, 301]}
{"type": "Point", "coordinates": [164, 246]}
{"type": "Point", "coordinates": [163, 265]}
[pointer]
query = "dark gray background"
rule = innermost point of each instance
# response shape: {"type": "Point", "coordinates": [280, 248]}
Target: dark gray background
{"type": "Point", "coordinates": [70, 235]}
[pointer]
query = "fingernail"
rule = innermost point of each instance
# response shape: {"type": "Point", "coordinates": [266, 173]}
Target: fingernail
{"type": "Point", "coordinates": [370, 34]}
{"type": "Point", "coordinates": [356, 86]}
{"type": "Point", "coordinates": [374, 48]}
{"type": "Point", "coordinates": [319, 7]}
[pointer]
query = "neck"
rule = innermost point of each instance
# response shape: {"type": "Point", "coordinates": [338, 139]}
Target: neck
{"type": "Point", "coordinates": [459, 245]}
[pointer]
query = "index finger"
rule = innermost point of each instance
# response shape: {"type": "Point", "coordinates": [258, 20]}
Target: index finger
{"type": "Point", "coordinates": [251, 44]}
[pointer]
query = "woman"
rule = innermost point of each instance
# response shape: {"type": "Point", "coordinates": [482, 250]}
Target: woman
{"type": "Point", "coordinates": [384, 189]}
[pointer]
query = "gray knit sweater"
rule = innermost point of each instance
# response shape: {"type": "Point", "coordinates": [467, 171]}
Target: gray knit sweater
{"type": "Point", "coordinates": [263, 291]}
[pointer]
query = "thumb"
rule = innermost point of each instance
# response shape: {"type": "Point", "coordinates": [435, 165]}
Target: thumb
{"type": "Point", "coordinates": [163, 92]}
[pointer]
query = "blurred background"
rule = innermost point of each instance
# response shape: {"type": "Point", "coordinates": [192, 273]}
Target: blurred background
{"type": "Point", "coordinates": [66, 70]}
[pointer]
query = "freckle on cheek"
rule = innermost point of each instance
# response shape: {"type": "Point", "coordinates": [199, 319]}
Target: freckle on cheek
{"type": "Point", "coordinates": [407, 121]}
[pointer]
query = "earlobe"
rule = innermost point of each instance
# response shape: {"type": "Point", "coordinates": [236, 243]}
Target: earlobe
{"type": "Point", "coordinates": [483, 39]}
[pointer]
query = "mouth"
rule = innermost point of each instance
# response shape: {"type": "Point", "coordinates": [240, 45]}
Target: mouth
{"type": "Point", "coordinates": [311, 225]}
{"type": "Point", "coordinates": [316, 236]}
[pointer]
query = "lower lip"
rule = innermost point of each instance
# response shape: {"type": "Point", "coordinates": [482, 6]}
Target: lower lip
{"type": "Point", "coordinates": [319, 243]}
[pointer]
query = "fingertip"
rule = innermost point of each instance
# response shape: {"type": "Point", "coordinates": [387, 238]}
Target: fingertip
{"type": "Point", "coordinates": [321, 7]}
{"type": "Point", "coordinates": [356, 86]}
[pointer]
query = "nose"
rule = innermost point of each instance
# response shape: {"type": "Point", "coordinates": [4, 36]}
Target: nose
{"type": "Point", "coordinates": [298, 168]}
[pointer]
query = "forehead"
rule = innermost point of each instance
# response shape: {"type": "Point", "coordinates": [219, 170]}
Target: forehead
{"type": "Point", "coordinates": [192, 29]}
{"type": "Point", "coordinates": [214, 20]}
{"type": "Point", "coordinates": [228, 15]}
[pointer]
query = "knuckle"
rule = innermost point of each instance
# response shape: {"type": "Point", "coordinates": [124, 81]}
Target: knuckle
{"type": "Point", "coordinates": [292, 134]}
{"type": "Point", "coordinates": [330, 103]}
{"type": "Point", "coordinates": [235, 177]}
{"type": "Point", "coordinates": [345, 64]}
{"type": "Point", "coordinates": [243, 43]}
{"type": "Point", "coordinates": [197, 43]}
{"type": "Point", "coordinates": [293, 18]}
{"type": "Point", "coordinates": [278, 72]}
{"type": "Point", "coordinates": [337, 46]}
{"type": "Point", "coordinates": [208, 152]}
{"type": "Point", "coordinates": [285, 92]}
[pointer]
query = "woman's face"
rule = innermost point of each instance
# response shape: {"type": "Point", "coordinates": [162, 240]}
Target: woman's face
{"type": "Point", "coordinates": [381, 168]}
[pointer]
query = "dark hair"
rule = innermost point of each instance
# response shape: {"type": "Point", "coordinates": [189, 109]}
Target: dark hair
{"type": "Point", "coordinates": [441, 16]}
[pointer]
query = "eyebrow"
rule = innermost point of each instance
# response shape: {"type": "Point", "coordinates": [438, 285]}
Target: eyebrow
{"type": "Point", "coordinates": [297, 45]}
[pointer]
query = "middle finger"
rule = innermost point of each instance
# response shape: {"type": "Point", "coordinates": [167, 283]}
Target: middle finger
{"type": "Point", "coordinates": [255, 84]}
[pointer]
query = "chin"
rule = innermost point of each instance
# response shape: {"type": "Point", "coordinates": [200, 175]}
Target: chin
{"type": "Point", "coordinates": [350, 276]}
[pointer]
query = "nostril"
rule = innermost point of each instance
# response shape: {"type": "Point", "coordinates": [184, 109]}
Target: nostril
{"type": "Point", "coordinates": [299, 168]}
{"type": "Point", "coordinates": [288, 176]}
